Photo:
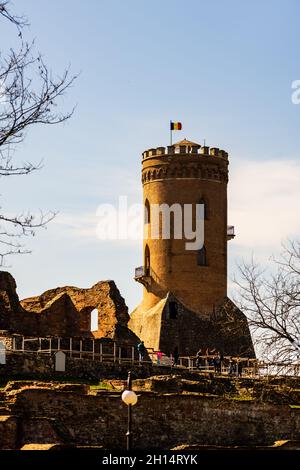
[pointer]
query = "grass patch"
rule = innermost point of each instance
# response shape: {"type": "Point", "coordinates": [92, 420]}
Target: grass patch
{"type": "Point", "coordinates": [102, 386]}
{"type": "Point", "coordinates": [241, 398]}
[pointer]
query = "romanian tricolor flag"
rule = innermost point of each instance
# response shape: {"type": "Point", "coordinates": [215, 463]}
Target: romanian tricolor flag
{"type": "Point", "coordinates": [175, 126]}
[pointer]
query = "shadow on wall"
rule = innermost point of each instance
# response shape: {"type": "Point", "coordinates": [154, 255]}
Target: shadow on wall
{"type": "Point", "coordinates": [226, 331]}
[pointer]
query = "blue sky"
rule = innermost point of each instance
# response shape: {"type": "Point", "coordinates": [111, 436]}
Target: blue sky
{"type": "Point", "coordinates": [224, 69]}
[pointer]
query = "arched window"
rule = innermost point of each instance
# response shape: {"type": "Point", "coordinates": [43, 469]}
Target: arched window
{"type": "Point", "coordinates": [201, 257]}
{"type": "Point", "coordinates": [147, 261]}
{"type": "Point", "coordinates": [202, 201]}
{"type": "Point", "coordinates": [147, 214]}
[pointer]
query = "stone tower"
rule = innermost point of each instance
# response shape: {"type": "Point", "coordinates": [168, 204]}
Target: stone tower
{"type": "Point", "coordinates": [185, 290]}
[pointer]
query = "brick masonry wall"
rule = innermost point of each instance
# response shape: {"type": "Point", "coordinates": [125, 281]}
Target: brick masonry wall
{"type": "Point", "coordinates": [191, 331]}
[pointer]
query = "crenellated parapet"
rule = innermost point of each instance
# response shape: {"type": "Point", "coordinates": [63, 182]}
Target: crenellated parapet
{"type": "Point", "coordinates": [185, 160]}
{"type": "Point", "coordinates": [185, 150]}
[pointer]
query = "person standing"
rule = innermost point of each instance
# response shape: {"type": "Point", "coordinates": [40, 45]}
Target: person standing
{"type": "Point", "coordinates": [217, 363]}
{"type": "Point", "coordinates": [175, 356]}
{"type": "Point", "coordinates": [239, 369]}
{"type": "Point", "coordinates": [231, 368]}
{"type": "Point", "coordinates": [198, 359]}
{"type": "Point", "coordinates": [221, 362]}
{"type": "Point", "coordinates": [159, 355]}
{"type": "Point", "coordinates": [141, 350]}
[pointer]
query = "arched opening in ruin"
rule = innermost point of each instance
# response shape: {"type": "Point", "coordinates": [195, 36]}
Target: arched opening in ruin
{"type": "Point", "coordinates": [94, 320]}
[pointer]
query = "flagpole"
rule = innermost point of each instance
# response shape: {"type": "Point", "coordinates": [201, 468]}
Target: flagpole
{"type": "Point", "coordinates": [170, 132]}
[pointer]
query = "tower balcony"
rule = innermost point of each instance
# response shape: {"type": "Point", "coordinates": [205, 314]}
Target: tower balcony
{"type": "Point", "coordinates": [142, 275]}
{"type": "Point", "coordinates": [230, 232]}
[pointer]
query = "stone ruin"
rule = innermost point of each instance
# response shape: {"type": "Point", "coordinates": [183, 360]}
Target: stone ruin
{"type": "Point", "coordinates": [65, 312]}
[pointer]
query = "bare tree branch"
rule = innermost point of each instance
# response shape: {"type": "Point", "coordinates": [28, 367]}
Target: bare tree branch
{"type": "Point", "coordinates": [19, 21]}
{"type": "Point", "coordinates": [272, 303]}
{"type": "Point", "coordinates": [29, 95]}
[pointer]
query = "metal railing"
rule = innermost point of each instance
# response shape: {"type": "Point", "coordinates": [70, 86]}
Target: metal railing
{"type": "Point", "coordinates": [113, 352]}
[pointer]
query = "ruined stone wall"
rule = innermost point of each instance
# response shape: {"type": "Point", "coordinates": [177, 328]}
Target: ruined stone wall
{"type": "Point", "coordinates": [103, 296]}
{"type": "Point", "coordinates": [159, 420]}
{"type": "Point", "coordinates": [8, 432]}
{"type": "Point", "coordinates": [65, 311]}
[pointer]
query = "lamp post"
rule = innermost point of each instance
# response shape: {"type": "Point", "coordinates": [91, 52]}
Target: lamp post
{"type": "Point", "coordinates": [129, 398]}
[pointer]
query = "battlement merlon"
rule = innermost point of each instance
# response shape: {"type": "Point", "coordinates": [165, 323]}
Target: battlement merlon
{"type": "Point", "coordinates": [185, 147]}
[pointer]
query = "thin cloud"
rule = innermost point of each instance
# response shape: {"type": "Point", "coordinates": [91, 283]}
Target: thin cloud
{"type": "Point", "coordinates": [264, 202]}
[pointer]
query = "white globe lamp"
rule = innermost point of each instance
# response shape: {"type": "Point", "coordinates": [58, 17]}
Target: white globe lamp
{"type": "Point", "coordinates": [129, 397]}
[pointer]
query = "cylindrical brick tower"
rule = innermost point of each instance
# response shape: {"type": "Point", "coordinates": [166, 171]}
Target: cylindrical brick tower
{"type": "Point", "coordinates": [186, 173]}
{"type": "Point", "coordinates": [185, 304]}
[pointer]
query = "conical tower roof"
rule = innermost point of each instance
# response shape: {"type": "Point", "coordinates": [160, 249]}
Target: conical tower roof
{"type": "Point", "coordinates": [186, 142]}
